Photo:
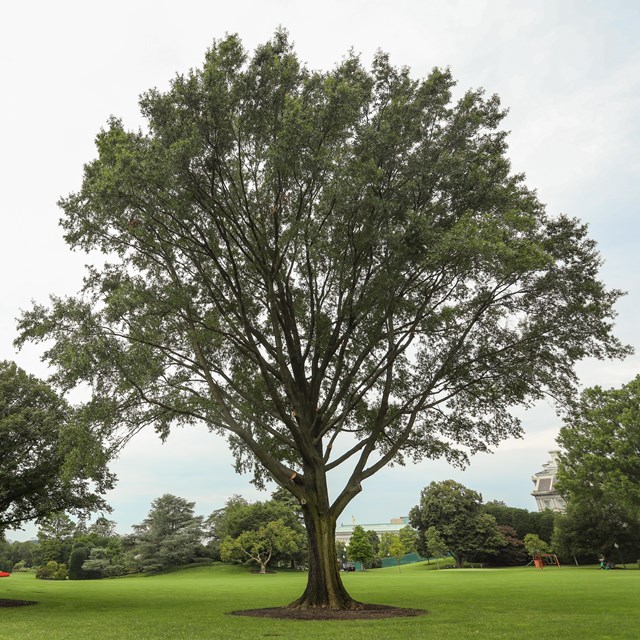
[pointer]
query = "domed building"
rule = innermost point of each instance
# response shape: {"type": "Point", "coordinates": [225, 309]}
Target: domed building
{"type": "Point", "coordinates": [545, 493]}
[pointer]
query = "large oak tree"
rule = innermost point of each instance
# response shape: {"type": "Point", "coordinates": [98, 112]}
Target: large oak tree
{"type": "Point", "coordinates": [332, 268]}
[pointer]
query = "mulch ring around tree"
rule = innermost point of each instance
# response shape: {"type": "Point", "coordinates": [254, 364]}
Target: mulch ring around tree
{"type": "Point", "coordinates": [367, 612]}
{"type": "Point", "coordinates": [16, 603]}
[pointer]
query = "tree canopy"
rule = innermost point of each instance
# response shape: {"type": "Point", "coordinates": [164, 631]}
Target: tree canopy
{"type": "Point", "coordinates": [599, 473]}
{"type": "Point", "coordinates": [50, 461]}
{"type": "Point", "coordinates": [587, 532]}
{"type": "Point", "coordinates": [259, 545]}
{"type": "Point", "coordinates": [360, 548]}
{"type": "Point", "coordinates": [170, 535]}
{"type": "Point", "coordinates": [434, 545]}
{"type": "Point", "coordinates": [452, 515]}
{"type": "Point", "coordinates": [239, 516]}
{"type": "Point", "coordinates": [522, 521]}
{"type": "Point", "coordinates": [334, 269]}
{"type": "Point", "coordinates": [600, 457]}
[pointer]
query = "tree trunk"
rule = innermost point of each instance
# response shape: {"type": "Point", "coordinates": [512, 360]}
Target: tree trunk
{"type": "Point", "coordinates": [263, 568]}
{"type": "Point", "coordinates": [324, 586]}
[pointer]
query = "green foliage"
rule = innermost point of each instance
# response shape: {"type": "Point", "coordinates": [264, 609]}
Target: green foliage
{"type": "Point", "coordinates": [272, 220]}
{"type": "Point", "coordinates": [106, 562]}
{"type": "Point", "coordinates": [169, 536]}
{"type": "Point", "coordinates": [511, 553]}
{"type": "Point", "coordinates": [522, 521]}
{"type": "Point", "coordinates": [435, 543]}
{"type": "Point", "coordinates": [384, 548]}
{"type": "Point", "coordinates": [334, 269]}
{"type": "Point", "coordinates": [599, 475]}
{"type": "Point", "coordinates": [456, 512]}
{"type": "Point", "coordinates": [586, 533]}
{"type": "Point", "coordinates": [260, 545]}
{"type": "Point", "coordinates": [27, 553]}
{"type": "Point", "coordinates": [18, 566]}
{"type": "Point", "coordinates": [51, 460]}
{"type": "Point", "coordinates": [534, 545]}
{"type": "Point", "coordinates": [360, 548]}
{"type": "Point", "coordinates": [238, 516]}
{"type": "Point", "coordinates": [409, 537]}
{"type": "Point", "coordinates": [52, 571]}
{"type": "Point", "coordinates": [397, 545]}
{"type": "Point", "coordinates": [56, 537]}
{"type": "Point", "coordinates": [103, 529]}
{"type": "Point", "coordinates": [396, 549]}
{"type": "Point", "coordinates": [5, 555]}
{"type": "Point", "coordinates": [77, 558]}
{"type": "Point", "coordinates": [374, 540]}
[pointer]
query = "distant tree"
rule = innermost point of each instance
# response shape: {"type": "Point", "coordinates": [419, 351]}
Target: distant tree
{"type": "Point", "coordinates": [171, 535]}
{"type": "Point", "coordinates": [6, 563]}
{"type": "Point", "coordinates": [107, 562]}
{"type": "Point", "coordinates": [51, 461]}
{"type": "Point", "coordinates": [78, 557]}
{"type": "Point", "coordinates": [52, 570]}
{"type": "Point", "coordinates": [390, 543]}
{"type": "Point", "coordinates": [434, 545]}
{"type": "Point", "coordinates": [103, 528]}
{"type": "Point", "coordinates": [238, 515]}
{"type": "Point", "coordinates": [219, 525]}
{"type": "Point", "coordinates": [600, 460]}
{"type": "Point", "coordinates": [535, 545]}
{"type": "Point", "coordinates": [511, 553]}
{"type": "Point", "coordinates": [28, 553]}
{"type": "Point", "coordinates": [360, 548]}
{"type": "Point", "coordinates": [585, 533]}
{"type": "Point", "coordinates": [287, 498]}
{"type": "Point", "coordinates": [522, 520]}
{"type": "Point", "coordinates": [56, 537]}
{"type": "Point", "coordinates": [456, 512]}
{"type": "Point", "coordinates": [599, 470]}
{"type": "Point", "coordinates": [384, 549]}
{"type": "Point", "coordinates": [260, 545]}
{"type": "Point", "coordinates": [397, 549]}
{"type": "Point", "coordinates": [409, 537]}
{"type": "Point", "coordinates": [374, 540]}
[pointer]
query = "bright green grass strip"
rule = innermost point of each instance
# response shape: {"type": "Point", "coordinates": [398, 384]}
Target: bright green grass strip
{"type": "Point", "coordinates": [515, 604]}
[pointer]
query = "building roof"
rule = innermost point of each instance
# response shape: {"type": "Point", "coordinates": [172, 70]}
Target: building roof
{"type": "Point", "coordinates": [393, 526]}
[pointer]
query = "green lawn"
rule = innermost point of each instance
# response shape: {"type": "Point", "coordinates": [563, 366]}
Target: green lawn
{"type": "Point", "coordinates": [565, 603]}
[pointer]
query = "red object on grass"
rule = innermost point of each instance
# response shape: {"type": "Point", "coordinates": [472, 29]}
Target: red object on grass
{"type": "Point", "coordinates": [4, 574]}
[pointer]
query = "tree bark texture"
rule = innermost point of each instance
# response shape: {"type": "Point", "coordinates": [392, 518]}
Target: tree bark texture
{"type": "Point", "coordinates": [324, 586]}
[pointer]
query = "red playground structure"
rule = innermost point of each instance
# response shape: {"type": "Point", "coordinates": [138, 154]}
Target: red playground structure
{"type": "Point", "coordinates": [542, 559]}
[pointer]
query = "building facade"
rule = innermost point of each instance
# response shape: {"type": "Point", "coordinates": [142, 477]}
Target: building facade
{"type": "Point", "coordinates": [544, 491]}
{"type": "Point", "coordinates": [344, 531]}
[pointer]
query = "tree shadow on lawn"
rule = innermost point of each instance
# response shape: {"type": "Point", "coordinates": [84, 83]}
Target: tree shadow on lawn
{"type": "Point", "coordinates": [15, 603]}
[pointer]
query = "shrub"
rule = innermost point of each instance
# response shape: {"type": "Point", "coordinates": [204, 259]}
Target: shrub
{"type": "Point", "coordinates": [52, 571]}
{"type": "Point", "coordinates": [76, 560]}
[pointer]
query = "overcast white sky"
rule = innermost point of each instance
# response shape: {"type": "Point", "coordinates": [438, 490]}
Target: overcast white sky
{"type": "Point", "coordinates": [568, 70]}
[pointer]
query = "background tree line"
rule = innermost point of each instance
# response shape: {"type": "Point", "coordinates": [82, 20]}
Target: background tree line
{"type": "Point", "coordinates": [450, 520]}
{"type": "Point", "coordinates": [598, 475]}
{"type": "Point", "coordinates": [171, 535]}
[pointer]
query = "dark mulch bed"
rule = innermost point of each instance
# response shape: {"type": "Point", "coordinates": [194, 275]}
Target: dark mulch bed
{"type": "Point", "coordinates": [16, 603]}
{"type": "Point", "coordinates": [366, 612]}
